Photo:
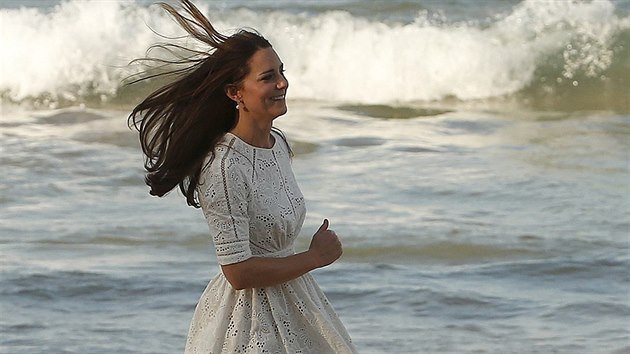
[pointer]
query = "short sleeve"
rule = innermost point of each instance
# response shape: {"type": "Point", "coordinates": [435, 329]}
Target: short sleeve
{"type": "Point", "coordinates": [224, 197]}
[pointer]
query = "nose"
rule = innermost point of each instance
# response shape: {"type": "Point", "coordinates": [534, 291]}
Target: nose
{"type": "Point", "coordinates": [283, 83]}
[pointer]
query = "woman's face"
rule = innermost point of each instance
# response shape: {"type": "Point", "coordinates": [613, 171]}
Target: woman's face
{"type": "Point", "coordinates": [263, 90]}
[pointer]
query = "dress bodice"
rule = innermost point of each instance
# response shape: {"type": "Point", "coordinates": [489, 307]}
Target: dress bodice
{"type": "Point", "coordinates": [251, 200]}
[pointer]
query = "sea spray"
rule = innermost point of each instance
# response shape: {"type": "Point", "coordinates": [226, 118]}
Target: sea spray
{"type": "Point", "coordinates": [78, 51]}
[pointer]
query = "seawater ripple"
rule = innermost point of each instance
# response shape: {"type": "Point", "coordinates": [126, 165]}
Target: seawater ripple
{"type": "Point", "coordinates": [489, 225]}
{"type": "Point", "coordinates": [64, 287]}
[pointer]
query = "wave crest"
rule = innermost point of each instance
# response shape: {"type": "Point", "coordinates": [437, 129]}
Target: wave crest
{"type": "Point", "coordinates": [79, 50]}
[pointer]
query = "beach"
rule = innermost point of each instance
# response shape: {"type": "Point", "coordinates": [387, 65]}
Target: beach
{"type": "Point", "coordinates": [474, 161]}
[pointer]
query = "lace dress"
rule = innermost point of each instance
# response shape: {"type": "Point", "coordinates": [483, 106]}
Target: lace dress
{"type": "Point", "coordinates": [254, 208]}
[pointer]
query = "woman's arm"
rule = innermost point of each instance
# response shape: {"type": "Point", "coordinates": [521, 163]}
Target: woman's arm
{"type": "Point", "coordinates": [259, 272]}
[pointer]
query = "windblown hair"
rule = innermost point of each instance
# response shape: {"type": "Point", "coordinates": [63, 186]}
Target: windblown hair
{"type": "Point", "coordinates": [181, 123]}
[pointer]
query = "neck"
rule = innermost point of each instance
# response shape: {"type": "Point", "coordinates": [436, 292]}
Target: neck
{"type": "Point", "coordinates": [254, 132]}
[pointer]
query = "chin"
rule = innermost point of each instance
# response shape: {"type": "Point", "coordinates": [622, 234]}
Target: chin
{"type": "Point", "coordinates": [281, 112]}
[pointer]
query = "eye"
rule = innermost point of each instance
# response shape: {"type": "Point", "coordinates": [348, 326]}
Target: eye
{"type": "Point", "coordinates": [271, 76]}
{"type": "Point", "coordinates": [268, 77]}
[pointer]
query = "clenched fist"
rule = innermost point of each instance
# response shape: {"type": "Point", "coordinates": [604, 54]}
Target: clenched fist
{"type": "Point", "coordinates": [325, 246]}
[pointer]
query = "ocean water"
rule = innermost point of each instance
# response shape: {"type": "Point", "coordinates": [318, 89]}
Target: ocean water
{"type": "Point", "coordinates": [473, 158]}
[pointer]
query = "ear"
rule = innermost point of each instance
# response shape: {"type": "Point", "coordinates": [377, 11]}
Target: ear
{"type": "Point", "coordinates": [233, 92]}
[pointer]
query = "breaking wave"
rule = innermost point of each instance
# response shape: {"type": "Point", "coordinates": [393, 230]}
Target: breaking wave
{"type": "Point", "coordinates": [560, 51]}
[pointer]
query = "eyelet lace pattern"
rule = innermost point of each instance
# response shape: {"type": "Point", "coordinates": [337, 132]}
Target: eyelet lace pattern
{"type": "Point", "coordinates": [254, 207]}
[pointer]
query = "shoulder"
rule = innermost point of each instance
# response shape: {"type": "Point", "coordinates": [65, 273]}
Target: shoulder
{"type": "Point", "coordinates": [282, 143]}
{"type": "Point", "coordinates": [226, 174]}
{"type": "Point", "coordinates": [228, 158]}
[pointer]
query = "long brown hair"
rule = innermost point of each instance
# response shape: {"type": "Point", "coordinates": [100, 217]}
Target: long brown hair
{"type": "Point", "coordinates": [180, 123]}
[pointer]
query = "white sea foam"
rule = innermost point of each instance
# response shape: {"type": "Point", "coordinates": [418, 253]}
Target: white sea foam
{"type": "Point", "coordinates": [76, 49]}
{"type": "Point", "coordinates": [79, 47]}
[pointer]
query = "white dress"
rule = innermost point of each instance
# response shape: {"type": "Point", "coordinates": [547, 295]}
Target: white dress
{"type": "Point", "coordinates": [254, 208]}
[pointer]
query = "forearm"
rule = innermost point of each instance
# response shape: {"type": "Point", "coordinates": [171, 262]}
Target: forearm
{"type": "Point", "coordinates": [258, 272]}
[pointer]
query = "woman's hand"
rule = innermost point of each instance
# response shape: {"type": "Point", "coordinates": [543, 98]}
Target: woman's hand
{"type": "Point", "coordinates": [325, 246]}
{"type": "Point", "coordinates": [258, 272]}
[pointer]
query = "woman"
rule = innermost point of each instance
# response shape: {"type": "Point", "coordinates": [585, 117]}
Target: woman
{"type": "Point", "coordinates": [211, 132]}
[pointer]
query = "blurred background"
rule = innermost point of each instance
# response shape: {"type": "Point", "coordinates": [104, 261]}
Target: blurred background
{"type": "Point", "coordinates": [474, 157]}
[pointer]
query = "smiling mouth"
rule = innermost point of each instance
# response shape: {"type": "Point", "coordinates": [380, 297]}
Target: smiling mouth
{"type": "Point", "coordinates": [277, 98]}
